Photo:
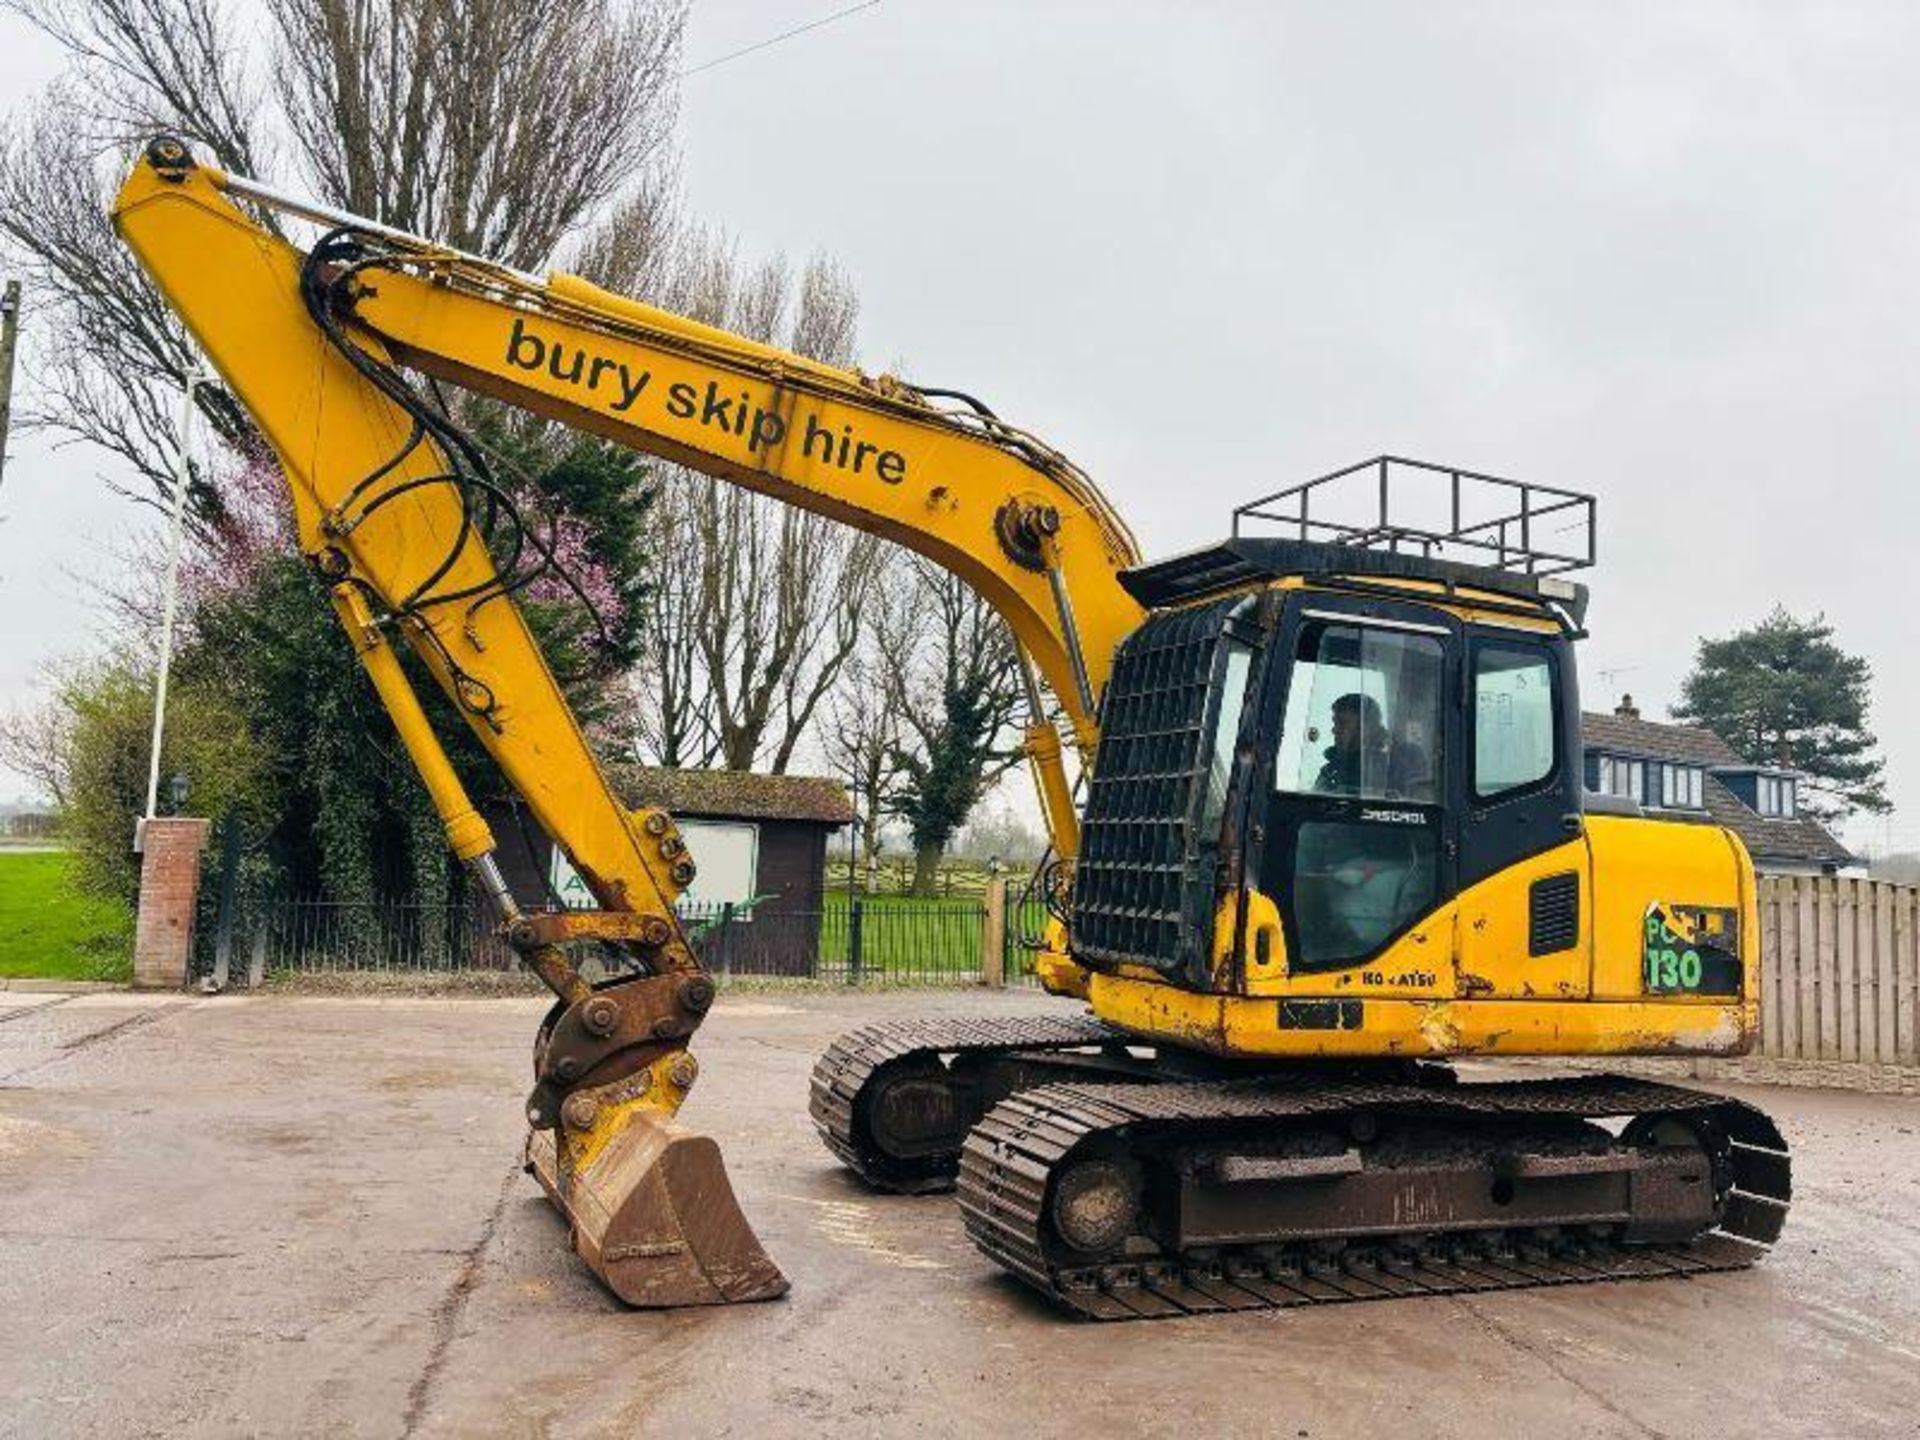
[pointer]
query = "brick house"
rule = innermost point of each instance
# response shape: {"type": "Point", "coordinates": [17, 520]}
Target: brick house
{"type": "Point", "coordinates": [1688, 772]}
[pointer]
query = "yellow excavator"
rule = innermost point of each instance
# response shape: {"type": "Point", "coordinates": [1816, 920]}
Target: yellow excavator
{"type": "Point", "coordinates": [1331, 831]}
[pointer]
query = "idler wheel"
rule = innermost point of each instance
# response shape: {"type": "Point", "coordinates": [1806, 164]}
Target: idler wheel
{"type": "Point", "coordinates": [1096, 1205]}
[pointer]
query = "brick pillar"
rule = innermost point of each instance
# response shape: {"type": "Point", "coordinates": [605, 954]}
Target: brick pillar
{"type": "Point", "coordinates": [169, 888]}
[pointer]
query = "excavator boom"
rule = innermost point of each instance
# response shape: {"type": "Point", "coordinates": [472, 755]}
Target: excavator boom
{"type": "Point", "coordinates": [391, 502]}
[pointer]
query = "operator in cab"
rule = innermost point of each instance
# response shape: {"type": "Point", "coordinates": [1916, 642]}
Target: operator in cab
{"type": "Point", "coordinates": [1365, 759]}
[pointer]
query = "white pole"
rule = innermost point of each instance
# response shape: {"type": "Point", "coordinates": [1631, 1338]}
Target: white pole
{"type": "Point", "coordinates": [183, 472]}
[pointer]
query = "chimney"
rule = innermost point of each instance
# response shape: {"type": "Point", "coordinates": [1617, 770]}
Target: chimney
{"type": "Point", "coordinates": [1626, 709]}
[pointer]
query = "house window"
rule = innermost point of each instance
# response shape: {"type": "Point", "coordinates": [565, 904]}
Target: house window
{"type": "Point", "coordinates": [1623, 777]}
{"type": "Point", "coordinates": [1682, 787]}
{"type": "Point", "coordinates": [1777, 800]}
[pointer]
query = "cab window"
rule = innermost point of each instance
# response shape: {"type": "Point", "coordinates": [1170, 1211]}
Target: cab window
{"type": "Point", "coordinates": [1226, 732]}
{"type": "Point", "coordinates": [1515, 702]}
{"type": "Point", "coordinates": [1363, 715]}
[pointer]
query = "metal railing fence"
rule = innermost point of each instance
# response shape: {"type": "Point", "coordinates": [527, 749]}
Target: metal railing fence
{"type": "Point", "coordinates": [303, 935]}
{"type": "Point", "coordinates": [857, 940]}
{"type": "Point", "coordinates": [1840, 958]}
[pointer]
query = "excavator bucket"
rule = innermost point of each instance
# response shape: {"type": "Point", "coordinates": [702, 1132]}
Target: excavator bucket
{"type": "Point", "coordinates": [653, 1215]}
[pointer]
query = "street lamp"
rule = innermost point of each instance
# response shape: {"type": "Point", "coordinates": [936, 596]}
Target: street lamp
{"type": "Point", "coordinates": [9, 336]}
{"type": "Point", "coordinates": [177, 789]}
{"type": "Point", "coordinates": [183, 473]}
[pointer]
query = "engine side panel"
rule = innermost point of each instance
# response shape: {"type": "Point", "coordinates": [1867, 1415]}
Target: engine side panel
{"type": "Point", "coordinates": [1663, 886]}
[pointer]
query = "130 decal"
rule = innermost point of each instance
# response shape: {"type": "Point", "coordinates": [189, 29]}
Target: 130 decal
{"type": "Point", "coordinates": [1690, 950]}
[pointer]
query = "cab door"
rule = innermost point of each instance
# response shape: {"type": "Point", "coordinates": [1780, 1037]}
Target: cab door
{"type": "Point", "coordinates": [1357, 845]}
{"type": "Point", "coordinates": [1525, 873]}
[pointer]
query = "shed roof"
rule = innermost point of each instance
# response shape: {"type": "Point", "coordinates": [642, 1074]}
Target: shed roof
{"type": "Point", "coordinates": [734, 794]}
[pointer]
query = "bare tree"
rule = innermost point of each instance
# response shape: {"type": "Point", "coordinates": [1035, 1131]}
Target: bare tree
{"type": "Point", "coordinates": [36, 740]}
{"type": "Point", "coordinates": [113, 376]}
{"type": "Point", "coordinates": [499, 126]}
{"type": "Point", "coordinates": [144, 65]}
{"type": "Point", "coordinates": [504, 126]}
{"type": "Point", "coordinates": [638, 246]}
{"type": "Point", "coordinates": [783, 594]}
{"type": "Point", "coordinates": [953, 679]}
{"type": "Point", "coordinates": [137, 66]}
{"type": "Point", "coordinates": [758, 610]}
{"type": "Point", "coordinates": [861, 734]}
{"type": "Point", "coordinates": [760, 605]}
{"type": "Point", "coordinates": [673, 709]}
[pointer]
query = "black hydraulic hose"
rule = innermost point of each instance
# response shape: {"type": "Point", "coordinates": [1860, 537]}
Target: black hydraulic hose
{"type": "Point", "coordinates": [320, 295]}
{"type": "Point", "coordinates": [977, 406]}
{"type": "Point", "coordinates": [344, 248]}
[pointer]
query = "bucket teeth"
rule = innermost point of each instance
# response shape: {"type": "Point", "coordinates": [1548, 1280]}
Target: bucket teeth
{"type": "Point", "coordinates": [654, 1216]}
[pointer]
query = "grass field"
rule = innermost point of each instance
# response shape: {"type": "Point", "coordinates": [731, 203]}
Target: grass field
{"type": "Point", "coordinates": [901, 939]}
{"type": "Point", "coordinates": [49, 929]}
{"type": "Point", "coordinates": [901, 935]}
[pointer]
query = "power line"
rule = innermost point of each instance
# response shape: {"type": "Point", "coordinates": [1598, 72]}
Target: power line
{"type": "Point", "coordinates": [783, 35]}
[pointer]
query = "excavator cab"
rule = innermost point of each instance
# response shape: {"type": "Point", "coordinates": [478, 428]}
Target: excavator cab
{"type": "Point", "coordinates": [1335, 837]}
{"type": "Point", "coordinates": [1312, 745]}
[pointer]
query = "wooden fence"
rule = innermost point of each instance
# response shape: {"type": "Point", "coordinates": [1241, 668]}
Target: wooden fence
{"type": "Point", "coordinates": [1839, 970]}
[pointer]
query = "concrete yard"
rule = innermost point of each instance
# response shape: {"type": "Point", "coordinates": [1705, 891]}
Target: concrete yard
{"type": "Point", "coordinates": [306, 1216]}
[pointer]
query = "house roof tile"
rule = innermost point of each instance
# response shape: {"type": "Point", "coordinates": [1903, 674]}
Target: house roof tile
{"type": "Point", "coordinates": [1800, 839]}
{"type": "Point", "coordinates": [1654, 740]}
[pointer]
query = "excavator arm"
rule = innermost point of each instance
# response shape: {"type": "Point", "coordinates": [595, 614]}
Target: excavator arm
{"type": "Point", "coordinates": [421, 547]}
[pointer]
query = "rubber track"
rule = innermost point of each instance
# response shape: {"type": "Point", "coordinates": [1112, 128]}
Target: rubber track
{"type": "Point", "coordinates": [1009, 1159]}
{"type": "Point", "coordinates": [851, 1062]}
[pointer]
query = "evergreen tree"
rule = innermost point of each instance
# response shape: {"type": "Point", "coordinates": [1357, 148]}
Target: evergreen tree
{"type": "Point", "coordinates": [1783, 693]}
{"type": "Point", "coordinates": [953, 680]}
{"type": "Point", "coordinates": [350, 818]}
{"type": "Point", "coordinates": [946, 779]}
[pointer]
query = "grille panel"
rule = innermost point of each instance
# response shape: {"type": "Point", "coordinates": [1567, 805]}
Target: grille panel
{"type": "Point", "coordinates": [1553, 914]}
{"type": "Point", "coordinates": [1138, 876]}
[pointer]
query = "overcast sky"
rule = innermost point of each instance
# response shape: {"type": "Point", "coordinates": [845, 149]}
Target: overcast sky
{"type": "Point", "coordinates": [1661, 252]}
